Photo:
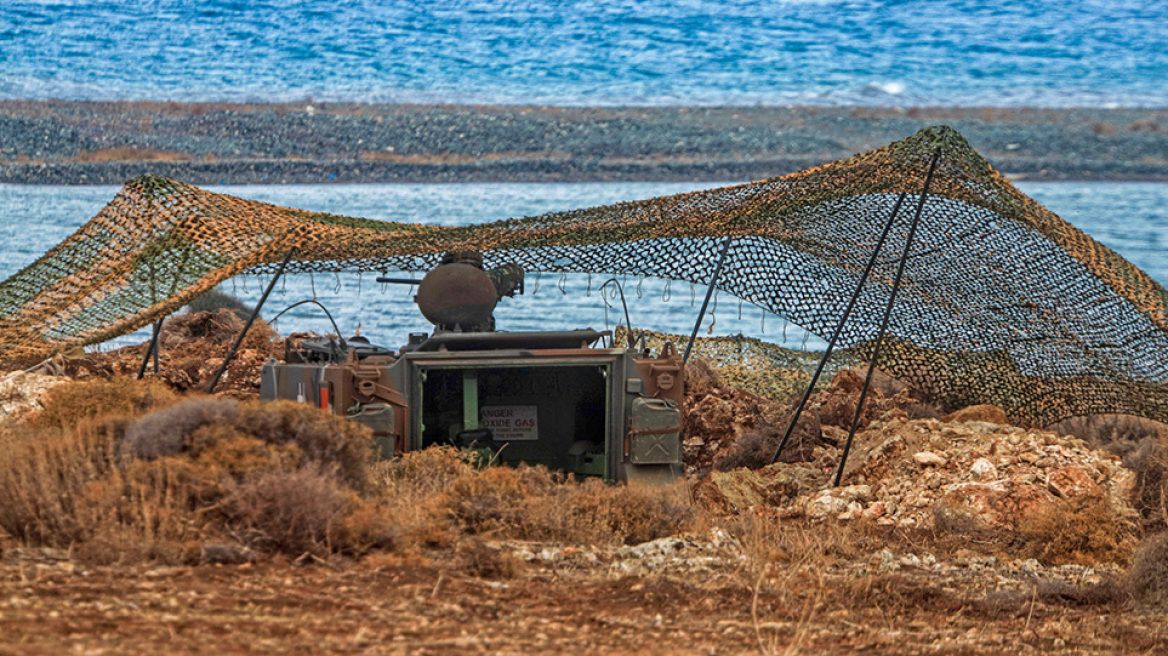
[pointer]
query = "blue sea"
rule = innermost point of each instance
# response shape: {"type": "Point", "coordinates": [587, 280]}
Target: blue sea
{"type": "Point", "coordinates": [1093, 53]}
{"type": "Point", "coordinates": [560, 52]}
{"type": "Point", "coordinates": [1131, 218]}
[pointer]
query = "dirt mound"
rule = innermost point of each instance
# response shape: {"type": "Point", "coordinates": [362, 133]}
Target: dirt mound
{"type": "Point", "coordinates": [191, 349]}
{"type": "Point", "coordinates": [969, 478]}
{"type": "Point", "coordinates": [727, 427]}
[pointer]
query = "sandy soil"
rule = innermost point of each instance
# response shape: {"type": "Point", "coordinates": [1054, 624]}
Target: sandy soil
{"type": "Point", "coordinates": [50, 605]}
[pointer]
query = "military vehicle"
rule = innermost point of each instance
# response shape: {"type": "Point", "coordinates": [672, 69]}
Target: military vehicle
{"type": "Point", "coordinates": [557, 398]}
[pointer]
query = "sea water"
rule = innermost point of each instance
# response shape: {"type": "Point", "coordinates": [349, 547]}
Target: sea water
{"type": "Point", "coordinates": [587, 52]}
{"type": "Point", "coordinates": [1131, 218]}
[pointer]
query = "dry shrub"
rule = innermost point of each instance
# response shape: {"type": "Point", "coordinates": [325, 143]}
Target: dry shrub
{"type": "Point", "coordinates": [273, 476]}
{"type": "Point", "coordinates": [422, 473]}
{"type": "Point", "coordinates": [485, 561]}
{"type": "Point", "coordinates": [438, 494]}
{"type": "Point", "coordinates": [323, 438]}
{"type": "Point", "coordinates": [1084, 532]}
{"type": "Point", "coordinates": [366, 527]}
{"type": "Point", "coordinates": [198, 425]}
{"type": "Point", "coordinates": [42, 476]}
{"type": "Point", "coordinates": [531, 503]}
{"type": "Point", "coordinates": [290, 511]}
{"type": "Point", "coordinates": [163, 433]}
{"type": "Point", "coordinates": [70, 403]}
{"type": "Point", "coordinates": [146, 511]}
{"type": "Point", "coordinates": [410, 485]}
{"type": "Point", "coordinates": [72, 490]}
{"type": "Point", "coordinates": [496, 500]}
{"type": "Point", "coordinates": [596, 513]}
{"type": "Point", "coordinates": [239, 456]}
{"type": "Point", "coordinates": [1148, 577]}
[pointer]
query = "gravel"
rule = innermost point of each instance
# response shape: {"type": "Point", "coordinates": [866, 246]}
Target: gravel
{"type": "Point", "coordinates": [63, 142]}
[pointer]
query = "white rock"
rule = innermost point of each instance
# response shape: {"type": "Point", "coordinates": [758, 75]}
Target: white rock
{"type": "Point", "coordinates": [928, 458]}
{"type": "Point", "coordinates": [984, 470]}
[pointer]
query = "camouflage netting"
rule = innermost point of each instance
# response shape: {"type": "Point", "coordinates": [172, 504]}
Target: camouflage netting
{"type": "Point", "coordinates": [1002, 301]}
{"type": "Point", "coordinates": [762, 367]}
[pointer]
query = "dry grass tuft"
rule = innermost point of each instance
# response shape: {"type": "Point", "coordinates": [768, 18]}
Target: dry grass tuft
{"type": "Point", "coordinates": [272, 476]}
{"type": "Point", "coordinates": [485, 561]}
{"type": "Point", "coordinates": [45, 479]}
{"type": "Point", "coordinates": [1077, 533]}
{"type": "Point", "coordinates": [494, 501]}
{"type": "Point", "coordinates": [288, 511]}
{"type": "Point", "coordinates": [531, 503]}
{"type": "Point", "coordinates": [1148, 577]}
{"type": "Point", "coordinates": [69, 404]}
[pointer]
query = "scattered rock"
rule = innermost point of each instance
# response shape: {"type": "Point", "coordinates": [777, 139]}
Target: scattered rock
{"type": "Point", "coordinates": [977, 478]}
{"type": "Point", "coordinates": [1073, 483]}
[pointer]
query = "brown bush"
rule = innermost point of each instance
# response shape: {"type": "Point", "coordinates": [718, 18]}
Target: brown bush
{"type": "Point", "coordinates": [483, 560]}
{"type": "Point", "coordinates": [531, 503]}
{"type": "Point", "coordinates": [71, 403]}
{"type": "Point", "coordinates": [1086, 532]}
{"type": "Point", "coordinates": [424, 473]}
{"type": "Point", "coordinates": [366, 527]}
{"type": "Point", "coordinates": [323, 438]}
{"type": "Point", "coordinates": [594, 512]}
{"type": "Point", "coordinates": [636, 513]}
{"type": "Point", "coordinates": [42, 476]}
{"type": "Point", "coordinates": [410, 487]}
{"type": "Point", "coordinates": [165, 432]}
{"type": "Point", "coordinates": [198, 425]}
{"type": "Point", "coordinates": [1148, 577]}
{"type": "Point", "coordinates": [292, 512]}
{"type": "Point", "coordinates": [146, 511]}
{"type": "Point", "coordinates": [274, 476]}
{"type": "Point", "coordinates": [496, 500]}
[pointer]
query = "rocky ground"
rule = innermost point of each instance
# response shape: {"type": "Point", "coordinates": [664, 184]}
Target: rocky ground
{"type": "Point", "coordinates": [62, 142]}
{"type": "Point", "coordinates": [636, 602]}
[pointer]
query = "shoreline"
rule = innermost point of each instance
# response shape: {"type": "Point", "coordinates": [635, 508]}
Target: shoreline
{"type": "Point", "coordinates": [81, 142]}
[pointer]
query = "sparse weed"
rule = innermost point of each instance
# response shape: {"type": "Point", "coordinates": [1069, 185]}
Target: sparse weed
{"type": "Point", "coordinates": [68, 404]}
{"type": "Point", "coordinates": [1148, 577]}
{"type": "Point", "coordinates": [1079, 533]}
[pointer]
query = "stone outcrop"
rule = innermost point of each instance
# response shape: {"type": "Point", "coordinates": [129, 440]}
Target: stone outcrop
{"type": "Point", "coordinates": [966, 477]}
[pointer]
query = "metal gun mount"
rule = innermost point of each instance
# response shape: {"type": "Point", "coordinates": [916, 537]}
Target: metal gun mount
{"type": "Point", "coordinates": [460, 296]}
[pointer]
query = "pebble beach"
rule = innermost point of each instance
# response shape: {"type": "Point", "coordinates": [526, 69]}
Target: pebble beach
{"type": "Point", "coordinates": [89, 142]}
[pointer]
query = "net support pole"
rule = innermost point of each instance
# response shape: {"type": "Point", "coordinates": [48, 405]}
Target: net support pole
{"type": "Point", "coordinates": [255, 313]}
{"type": "Point", "coordinates": [706, 302]}
{"type": "Point", "coordinates": [839, 328]}
{"type": "Point", "coordinates": [151, 350]}
{"type": "Point", "coordinates": [912, 231]}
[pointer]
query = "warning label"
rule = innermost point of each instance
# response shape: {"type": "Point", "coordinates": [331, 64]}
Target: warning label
{"type": "Point", "coordinates": [510, 422]}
